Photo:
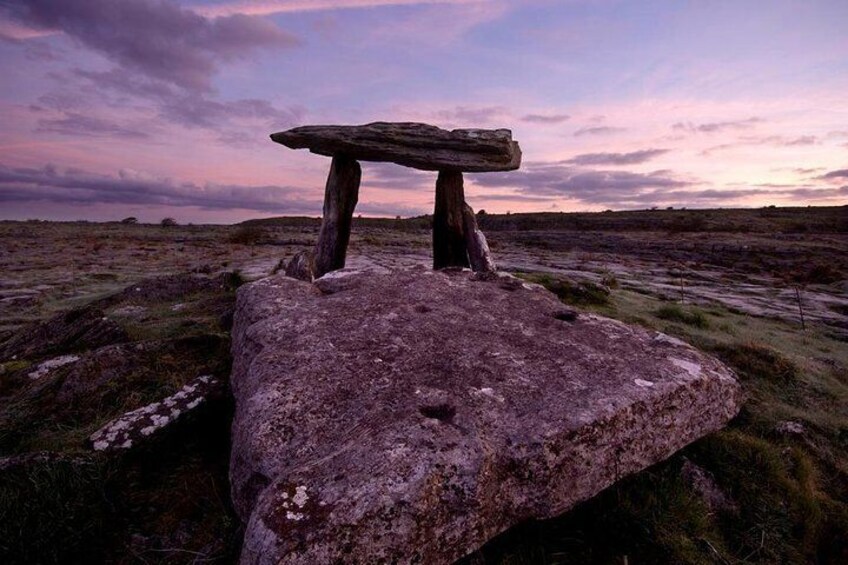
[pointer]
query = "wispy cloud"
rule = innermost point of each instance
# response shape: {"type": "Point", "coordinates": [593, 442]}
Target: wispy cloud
{"type": "Point", "coordinates": [74, 186]}
{"type": "Point", "coordinates": [631, 158]}
{"type": "Point", "coordinates": [545, 118]}
{"type": "Point", "coordinates": [395, 177]}
{"type": "Point", "coordinates": [584, 185]}
{"type": "Point", "coordinates": [835, 175]}
{"type": "Point", "coordinates": [627, 189]}
{"type": "Point", "coordinates": [773, 140]}
{"type": "Point", "coordinates": [598, 130]}
{"type": "Point", "coordinates": [75, 124]}
{"type": "Point", "coordinates": [157, 38]}
{"type": "Point", "coordinates": [76, 108]}
{"type": "Point", "coordinates": [514, 198]}
{"type": "Point", "coordinates": [472, 115]}
{"type": "Point", "coordinates": [269, 7]}
{"type": "Point", "coordinates": [714, 127]}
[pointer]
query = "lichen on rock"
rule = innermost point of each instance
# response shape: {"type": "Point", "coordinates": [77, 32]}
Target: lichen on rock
{"type": "Point", "coordinates": [417, 414]}
{"type": "Point", "coordinates": [139, 424]}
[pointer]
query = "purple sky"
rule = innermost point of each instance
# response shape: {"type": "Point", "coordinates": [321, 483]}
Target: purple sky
{"type": "Point", "coordinates": [155, 108]}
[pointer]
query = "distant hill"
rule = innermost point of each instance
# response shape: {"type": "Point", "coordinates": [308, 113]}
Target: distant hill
{"type": "Point", "coordinates": [813, 219]}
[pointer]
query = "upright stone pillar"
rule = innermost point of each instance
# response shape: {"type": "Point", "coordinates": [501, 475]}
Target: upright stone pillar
{"type": "Point", "coordinates": [340, 197]}
{"type": "Point", "coordinates": [448, 230]}
{"type": "Point", "coordinates": [478, 249]}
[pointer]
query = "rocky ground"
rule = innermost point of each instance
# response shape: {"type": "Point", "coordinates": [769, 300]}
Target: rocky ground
{"type": "Point", "coordinates": [97, 320]}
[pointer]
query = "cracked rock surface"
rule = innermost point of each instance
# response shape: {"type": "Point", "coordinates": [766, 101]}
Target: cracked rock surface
{"type": "Point", "coordinates": [410, 415]}
{"type": "Point", "coordinates": [420, 146]}
{"type": "Point", "coordinates": [138, 425]}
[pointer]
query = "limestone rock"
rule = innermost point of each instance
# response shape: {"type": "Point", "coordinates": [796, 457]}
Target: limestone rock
{"type": "Point", "coordinates": [165, 288]}
{"type": "Point", "coordinates": [449, 242]}
{"type": "Point", "coordinates": [104, 377]}
{"type": "Point", "coordinates": [75, 330]}
{"type": "Point", "coordinates": [790, 428]}
{"type": "Point", "coordinates": [479, 255]}
{"type": "Point", "coordinates": [301, 266]}
{"type": "Point", "coordinates": [26, 461]}
{"type": "Point", "coordinates": [140, 424]}
{"type": "Point", "coordinates": [45, 367]}
{"type": "Point", "coordinates": [340, 197]}
{"type": "Point", "coordinates": [703, 483]}
{"type": "Point", "coordinates": [420, 146]}
{"type": "Point", "coordinates": [411, 416]}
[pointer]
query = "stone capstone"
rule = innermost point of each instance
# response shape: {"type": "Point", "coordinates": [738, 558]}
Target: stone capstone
{"type": "Point", "coordinates": [412, 415]}
{"type": "Point", "coordinates": [420, 146]}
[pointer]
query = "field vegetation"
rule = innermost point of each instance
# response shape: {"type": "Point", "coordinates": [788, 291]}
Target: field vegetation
{"type": "Point", "coordinates": [770, 488]}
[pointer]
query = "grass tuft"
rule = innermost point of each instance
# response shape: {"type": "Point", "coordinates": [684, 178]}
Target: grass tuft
{"type": "Point", "coordinates": [756, 361]}
{"type": "Point", "coordinates": [577, 293]}
{"type": "Point", "coordinates": [248, 235]}
{"type": "Point", "coordinates": [689, 316]}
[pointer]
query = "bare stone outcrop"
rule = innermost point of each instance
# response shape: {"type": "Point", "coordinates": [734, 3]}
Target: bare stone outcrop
{"type": "Point", "coordinates": [411, 416]}
{"type": "Point", "coordinates": [75, 330]}
{"type": "Point", "coordinates": [420, 146]}
{"type": "Point", "coordinates": [140, 424]}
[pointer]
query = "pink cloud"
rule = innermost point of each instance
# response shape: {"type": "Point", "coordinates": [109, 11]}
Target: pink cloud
{"type": "Point", "coordinates": [269, 7]}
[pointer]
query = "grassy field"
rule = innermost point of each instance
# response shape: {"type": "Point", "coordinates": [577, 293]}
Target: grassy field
{"type": "Point", "coordinates": [776, 479]}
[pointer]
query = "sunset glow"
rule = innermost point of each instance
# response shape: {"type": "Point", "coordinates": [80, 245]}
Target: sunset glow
{"type": "Point", "coordinates": [150, 108]}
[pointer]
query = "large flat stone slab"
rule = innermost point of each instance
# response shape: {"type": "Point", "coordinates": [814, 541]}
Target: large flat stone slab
{"type": "Point", "coordinates": [412, 415]}
{"type": "Point", "coordinates": [420, 146]}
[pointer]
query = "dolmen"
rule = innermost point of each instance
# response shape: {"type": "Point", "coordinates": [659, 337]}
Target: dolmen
{"type": "Point", "coordinates": [410, 415]}
{"type": "Point", "coordinates": [457, 241]}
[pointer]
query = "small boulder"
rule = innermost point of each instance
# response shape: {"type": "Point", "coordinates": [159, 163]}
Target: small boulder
{"type": "Point", "coordinates": [301, 266]}
{"type": "Point", "coordinates": [790, 428]}
{"type": "Point", "coordinates": [45, 367]}
{"type": "Point", "coordinates": [704, 485]}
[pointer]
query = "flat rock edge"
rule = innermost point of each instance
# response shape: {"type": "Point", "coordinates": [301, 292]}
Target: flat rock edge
{"type": "Point", "coordinates": [591, 446]}
{"type": "Point", "coordinates": [411, 144]}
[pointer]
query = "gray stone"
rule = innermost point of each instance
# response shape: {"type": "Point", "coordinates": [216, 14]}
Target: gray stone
{"type": "Point", "coordinates": [46, 367]}
{"type": "Point", "coordinates": [448, 227]}
{"type": "Point", "coordinates": [301, 266]}
{"type": "Point", "coordinates": [703, 483]}
{"type": "Point", "coordinates": [141, 424]}
{"type": "Point", "coordinates": [790, 428]}
{"type": "Point", "coordinates": [479, 255]}
{"type": "Point", "coordinates": [420, 146]}
{"type": "Point", "coordinates": [412, 416]}
{"type": "Point", "coordinates": [27, 461]}
{"type": "Point", "coordinates": [75, 330]}
{"type": "Point", "coordinates": [340, 197]}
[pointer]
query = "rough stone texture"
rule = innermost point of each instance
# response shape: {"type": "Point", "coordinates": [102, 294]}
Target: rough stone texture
{"type": "Point", "coordinates": [410, 416]}
{"type": "Point", "coordinates": [140, 424]}
{"type": "Point", "coordinates": [76, 330]}
{"type": "Point", "coordinates": [704, 485]}
{"type": "Point", "coordinates": [448, 225]}
{"type": "Point", "coordinates": [301, 266]}
{"type": "Point", "coordinates": [46, 367]}
{"type": "Point", "coordinates": [26, 461]}
{"type": "Point", "coordinates": [420, 146]}
{"type": "Point", "coordinates": [479, 255]}
{"type": "Point", "coordinates": [107, 377]}
{"type": "Point", "coordinates": [167, 287]}
{"type": "Point", "coordinates": [340, 197]}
